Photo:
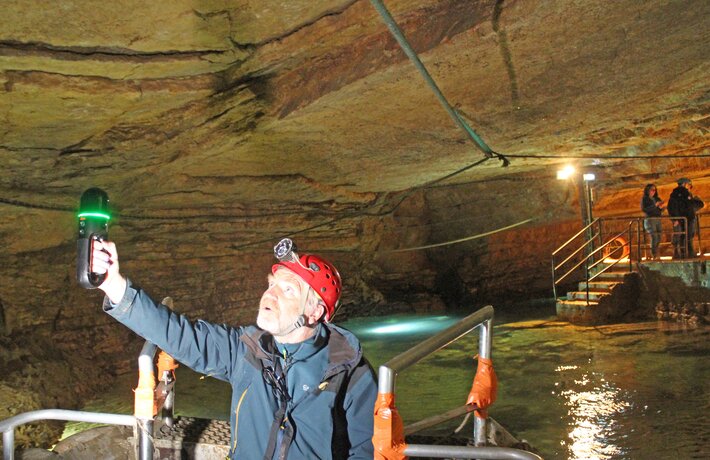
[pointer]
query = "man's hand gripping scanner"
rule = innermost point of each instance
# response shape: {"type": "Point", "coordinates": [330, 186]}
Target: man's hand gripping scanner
{"type": "Point", "coordinates": [484, 389]}
{"type": "Point", "coordinates": [93, 225]}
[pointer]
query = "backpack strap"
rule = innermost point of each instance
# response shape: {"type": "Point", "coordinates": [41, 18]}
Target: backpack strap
{"type": "Point", "coordinates": [281, 432]}
{"type": "Point", "coordinates": [263, 358]}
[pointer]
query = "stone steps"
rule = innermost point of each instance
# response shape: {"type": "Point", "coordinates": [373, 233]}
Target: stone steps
{"type": "Point", "coordinates": [582, 295]}
{"type": "Point", "coordinates": [612, 275]}
{"type": "Point", "coordinates": [576, 311]}
{"type": "Point", "coordinates": [598, 285]}
{"type": "Point", "coordinates": [577, 308]}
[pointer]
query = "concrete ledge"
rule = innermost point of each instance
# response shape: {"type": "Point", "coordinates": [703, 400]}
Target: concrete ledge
{"type": "Point", "coordinates": [676, 282]}
{"type": "Point", "coordinates": [667, 289]}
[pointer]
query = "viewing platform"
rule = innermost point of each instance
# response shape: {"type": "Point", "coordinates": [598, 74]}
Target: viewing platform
{"type": "Point", "coordinates": [606, 275]}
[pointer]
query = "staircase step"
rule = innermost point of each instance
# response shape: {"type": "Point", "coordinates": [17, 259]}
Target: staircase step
{"type": "Point", "coordinates": [613, 275]}
{"type": "Point", "coordinates": [582, 295]}
{"type": "Point", "coordinates": [572, 303]}
{"type": "Point", "coordinates": [595, 285]}
{"type": "Point", "coordinates": [576, 311]}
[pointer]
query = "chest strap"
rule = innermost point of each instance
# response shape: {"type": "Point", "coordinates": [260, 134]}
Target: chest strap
{"type": "Point", "coordinates": [281, 432]}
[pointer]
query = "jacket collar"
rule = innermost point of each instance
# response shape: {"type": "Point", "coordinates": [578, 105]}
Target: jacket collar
{"type": "Point", "coordinates": [341, 354]}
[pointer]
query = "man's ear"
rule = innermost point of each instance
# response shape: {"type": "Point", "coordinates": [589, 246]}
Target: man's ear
{"type": "Point", "coordinates": [317, 314]}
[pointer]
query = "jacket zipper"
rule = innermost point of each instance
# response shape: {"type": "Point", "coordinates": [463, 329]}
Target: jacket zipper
{"type": "Point", "coordinates": [236, 419]}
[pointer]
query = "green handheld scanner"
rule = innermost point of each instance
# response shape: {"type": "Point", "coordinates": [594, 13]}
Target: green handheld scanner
{"type": "Point", "coordinates": [93, 225]}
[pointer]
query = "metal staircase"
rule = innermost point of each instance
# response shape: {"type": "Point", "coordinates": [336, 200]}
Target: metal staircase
{"type": "Point", "coordinates": [601, 260]}
{"type": "Point", "coordinates": [597, 268]}
{"type": "Point", "coordinates": [594, 290]}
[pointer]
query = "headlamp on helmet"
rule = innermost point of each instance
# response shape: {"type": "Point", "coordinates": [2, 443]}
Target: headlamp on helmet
{"type": "Point", "coordinates": [317, 272]}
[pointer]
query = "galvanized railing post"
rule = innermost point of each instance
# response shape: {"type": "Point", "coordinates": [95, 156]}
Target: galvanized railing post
{"type": "Point", "coordinates": [146, 439]}
{"type": "Point", "coordinates": [7, 426]}
{"type": "Point", "coordinates": [554, 280]}
{"type": "Point", "coordinates": [143, 417]}
{"type": "Point", "coordinates": [585, 246]}
{"type": "Point", "coordinates": [697, 232]}
{"type": "Point", "coordinates": [482, 318]}
{"type": "Point", "coordinates": [8, 444]}
{"type": "Point", "coordinates": [145, 400]}
{"type": "Point", "coordinates": [634, 240]}
{"type": "Point", "coordinates": [485, 340]}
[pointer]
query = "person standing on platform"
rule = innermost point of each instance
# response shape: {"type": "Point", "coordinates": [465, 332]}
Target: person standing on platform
{"type": "Point", "coordinates": [684, 206]}
{"type": "Point", "coordinates": [653, 207]}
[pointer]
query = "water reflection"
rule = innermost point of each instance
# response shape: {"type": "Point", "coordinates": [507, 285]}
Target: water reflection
{"type": "Point", "coordinates": [592, 416]}
{"type": "Point", "coordinates": [609, 392]}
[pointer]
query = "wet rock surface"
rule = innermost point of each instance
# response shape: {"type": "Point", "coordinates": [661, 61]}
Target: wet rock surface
{"type": "Point", "coordinates": [691, 313]}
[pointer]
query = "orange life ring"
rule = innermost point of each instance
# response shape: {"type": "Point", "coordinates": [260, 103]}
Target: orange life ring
{"type": "Point", "coordinates": [611, 250]}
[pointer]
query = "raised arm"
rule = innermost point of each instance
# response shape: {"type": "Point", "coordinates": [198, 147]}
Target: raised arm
{"type": "Point", "coordinates": [204, 347]}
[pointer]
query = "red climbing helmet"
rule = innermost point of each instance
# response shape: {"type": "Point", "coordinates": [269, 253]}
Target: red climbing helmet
{"type": "Point", "coordinates": [320, 274]}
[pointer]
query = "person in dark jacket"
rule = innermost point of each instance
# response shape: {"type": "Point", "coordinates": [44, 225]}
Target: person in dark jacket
{"type": "Point", "coordinates": [683, 204]}
{"type": "Point", "coordinates": [301, 388]}
{"type": "Point", "coordinates": [653, 207]}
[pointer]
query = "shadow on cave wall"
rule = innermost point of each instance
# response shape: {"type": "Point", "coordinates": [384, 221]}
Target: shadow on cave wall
{"type": "Point", "coordinates": [3, 328]}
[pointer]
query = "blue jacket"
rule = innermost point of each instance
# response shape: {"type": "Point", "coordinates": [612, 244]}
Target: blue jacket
{"type": "Point", "coordinates": [313, 400]}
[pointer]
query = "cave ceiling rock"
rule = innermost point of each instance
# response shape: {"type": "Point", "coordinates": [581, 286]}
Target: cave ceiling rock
{"type": "Point", "coordinates": [240, 105]}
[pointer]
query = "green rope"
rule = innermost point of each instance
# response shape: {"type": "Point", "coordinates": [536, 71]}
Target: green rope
{"type": "Point", "coordinates": [407, 48]}
{"type": "Point", "coordinates": [460, 240]}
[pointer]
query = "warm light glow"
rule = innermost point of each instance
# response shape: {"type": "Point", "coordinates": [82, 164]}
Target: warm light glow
{"type": "Point", "coordinates": [649, 259]}
{"type": "Point", "coordinates": [611, 260]}
{"type": "Point", "coordinates": [565, 173]}
{"type": "Point", "coordinates": [589, 177]}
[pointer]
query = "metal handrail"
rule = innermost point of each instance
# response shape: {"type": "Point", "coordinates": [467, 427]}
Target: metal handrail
{"type": "Point", "coordinates": [639, 234]}
{"type": "Point", "coordinates": [67, 415]}
{"type": "Point", "coordinates": [608, 243]}
{"type": "Point", "coordinates": [482, 318]}
{"type": "Point", "coordinates": [586, 229]}
{"type": "Point", "coordinates": [592, 253]}
{"type": "Point", "coordinates": [443, 338]}
{"type": "Point", "coordinates": [634, 235]}
{"type": "Point", "coordinates": [8, 426]}
{"type": "Point", "coordinates": [554, 253]}
{"type": "Point", "coordinates": [144, 426]}
{"type": "Point", "coordinates": [577, 251]}
{"type": "Point", "coordinates": [640, 219]}
{"type": "Point", "coordinates": [488, 453]}
{"type": "Point", "coordinates": [580, 263]}
{"type": "Point", "coordinates": [610, 264]}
